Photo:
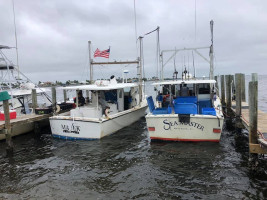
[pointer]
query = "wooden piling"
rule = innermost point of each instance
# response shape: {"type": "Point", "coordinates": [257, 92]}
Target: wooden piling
{"type": "Point", "coordinates": [232, 80]}
{"type": "Point", "coordinates": [65, 95]}
{"type": "Point", "coordinates": [222, 90]}
{"type": "Point", "coordinates": [238, 99]}
{"type": "Point", "coordinates": [8, 127]}
{"type": "Point", "coordinates": [54, 99]}
{"type": "Point", "coordinates": [254, 77]}
{"type": "Point", "coordinates": [77, 98]}
{"type": "Point", "coordinates": [253, 114]}
{"type": "Point", "coordinates": [34, 100]}
{"type": "Point", "coordinates": [228, 91]}
{"type": "Point", "coordinates": [243, 88]}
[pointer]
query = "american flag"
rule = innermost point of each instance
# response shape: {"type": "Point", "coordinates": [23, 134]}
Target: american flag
{"type": "Point", "coordinates": [104, 53]}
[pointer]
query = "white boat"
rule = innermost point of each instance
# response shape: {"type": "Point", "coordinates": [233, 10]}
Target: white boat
{"type": "Point", "coordinates": [19, 89]}
{"type": "Point", "coordinates": [110, 107]}
{"type": "Point", "coordinates": [89, 122]}
{"type": "Point", "coordinates": [186, 109]}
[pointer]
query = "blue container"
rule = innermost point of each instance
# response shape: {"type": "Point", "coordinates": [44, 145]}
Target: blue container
{"type": "Point", "coordinates": [160, 111]}
{"type": "Point", "coordinates": [185, 108]}
{"type": "Point", "coordinates": [203, 104]}
{"type": "Point", "coordinates": [208, 111]}
{"type": "Point", "coordinates": [189, 99]}
{"type": "Point", "coordinates": [150, 103]}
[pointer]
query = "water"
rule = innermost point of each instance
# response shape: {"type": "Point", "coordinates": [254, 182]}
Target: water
{"type": "Point", "coordinates": [126, 165]}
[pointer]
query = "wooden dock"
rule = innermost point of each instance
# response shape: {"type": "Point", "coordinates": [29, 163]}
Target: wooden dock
{"type": "Point", "coordinates": [262, 125]}
{"type": "Point", "coordinates": [24, 123]}
{"type": "Point", "coordinates": [247, 116]}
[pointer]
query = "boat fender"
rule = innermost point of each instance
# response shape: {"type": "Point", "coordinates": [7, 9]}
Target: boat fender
{"type": "Point", "coordinates": [107, 112]}
{"type": "Point", "coordinates": [57, 108]}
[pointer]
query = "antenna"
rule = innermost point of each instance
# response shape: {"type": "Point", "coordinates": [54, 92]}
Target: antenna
{"type": "Point", "coordinates": [194, 64]}
{"type": "Point", "coordinates": [16, 38]}
{"type": "Point", "coordinates": [195, 21]}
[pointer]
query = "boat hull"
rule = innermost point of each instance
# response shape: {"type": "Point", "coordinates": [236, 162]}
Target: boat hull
{"type": "Point", "coordinates": [88, 129]}
{"type": "Point", "coordinates": [199, 128]}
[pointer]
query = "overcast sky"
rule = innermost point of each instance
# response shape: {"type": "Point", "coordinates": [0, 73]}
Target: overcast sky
{"type": "Point", "coordinates": [53, 35]}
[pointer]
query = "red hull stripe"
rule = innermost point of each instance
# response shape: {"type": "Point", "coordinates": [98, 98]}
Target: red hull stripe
{"type": "Point", "coordinates": [184, 140]}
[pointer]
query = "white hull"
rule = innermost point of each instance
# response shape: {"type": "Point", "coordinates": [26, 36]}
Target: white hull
{"type": "Point", "coordinates": [200, 128]}
{"type": "Point", "coordinates": [92, 128]}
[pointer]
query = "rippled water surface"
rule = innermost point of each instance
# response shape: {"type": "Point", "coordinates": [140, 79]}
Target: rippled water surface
{"type": "Point", "coordinates": [127, 165]}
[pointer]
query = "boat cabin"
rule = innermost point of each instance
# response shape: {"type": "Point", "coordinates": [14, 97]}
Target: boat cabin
{"type": "Point", "coordinates": [184, 97]}
{"type": "Point", "coordinates": [102, 95]}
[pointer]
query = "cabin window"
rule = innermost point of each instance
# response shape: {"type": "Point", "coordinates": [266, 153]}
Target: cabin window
{"type": "Point", "coordinates": [120, 94]}
{"type": "Point", "coordinates": [204, 88]}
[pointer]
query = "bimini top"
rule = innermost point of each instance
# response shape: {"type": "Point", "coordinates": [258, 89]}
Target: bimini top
{"type": "Point", "coordinates": [20, 92]}
{"type": "Point", "coordinates": [183, 82]}
{"type": "Point", "coordinates": [101, 87]}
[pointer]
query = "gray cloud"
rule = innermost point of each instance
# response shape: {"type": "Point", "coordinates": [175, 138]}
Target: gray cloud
{"type": "Point", "coordinates": [53, 35]}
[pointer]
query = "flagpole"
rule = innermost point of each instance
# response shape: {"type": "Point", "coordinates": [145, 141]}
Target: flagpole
{"type": "Point", "coordinates": [90, 64]}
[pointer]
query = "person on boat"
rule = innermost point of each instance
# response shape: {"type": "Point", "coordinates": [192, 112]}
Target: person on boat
{"type": "Point", "coordinates": [184, 91]}
{"type": "Point", "coordinates": [159, 99]}
{"type": "Point", "coordinates": [81, 99]}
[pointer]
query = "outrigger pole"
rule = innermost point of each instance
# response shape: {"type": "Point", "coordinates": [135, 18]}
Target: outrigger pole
{"type": "Point", "coordinates": [211, 52]}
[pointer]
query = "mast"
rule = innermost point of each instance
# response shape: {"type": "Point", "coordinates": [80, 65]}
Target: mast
{"type": "Point", "coordinates": [16, 38]}
{"type": "Point", "coordinates": [90, 66]}
{"type": "Point", "coordinates": [140, 70]}
{"type": "Point", "coordinates": [211, 52]}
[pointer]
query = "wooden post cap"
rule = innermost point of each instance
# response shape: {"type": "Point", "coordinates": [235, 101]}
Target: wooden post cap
{"type": "Point", "coordinates": [4, 96]}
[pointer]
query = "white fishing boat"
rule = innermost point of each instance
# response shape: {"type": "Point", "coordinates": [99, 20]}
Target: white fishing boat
{"type": "Point", "coordinates": [109, 107]}
{"type": "Point", "coordinates": [187, 109]}
{"type": "Point", "coordinates": [20, 87]}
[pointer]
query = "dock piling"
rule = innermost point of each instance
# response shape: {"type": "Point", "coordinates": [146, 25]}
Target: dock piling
{"type": "Point", "coordinates": [254, 77]}
{"type": "Point", "coordinates": [228, 92]}
{"type": "Point", "coordinates": [54, 99]}
{"type": "Point", "coordinates": [238, 99]}
{"type": "Point", "coordinates": [243, 88]}
{"type": "Point", "coordinates": [222, 90]}
{"type": "Point", "coordinates": [65, 95]}
{"type": "Point", "coordinates": [34, 100]}
{"type": "Point", "coordinates": [8, 128]}
{"type": "Point", "coordinates": [254, 147]}
{"type": "Point", "coordinates": [77, 98]}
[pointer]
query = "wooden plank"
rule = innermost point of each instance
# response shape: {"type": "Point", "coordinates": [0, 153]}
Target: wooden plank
{"type": "Point", "coordinates": [256, 148]}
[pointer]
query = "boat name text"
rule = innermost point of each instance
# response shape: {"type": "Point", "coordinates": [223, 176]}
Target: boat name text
{"type": "Point", "coordinates": [70, 129]}
{"type": "Point", "coordinates": [168, 125]}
